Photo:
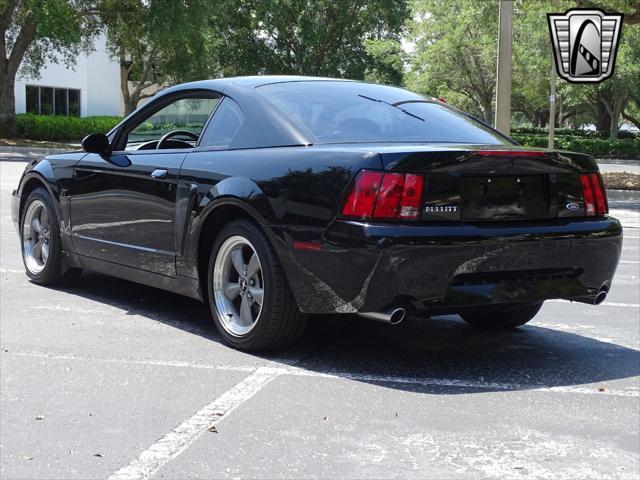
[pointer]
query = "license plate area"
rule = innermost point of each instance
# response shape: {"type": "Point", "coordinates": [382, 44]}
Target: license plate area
{"type": "Point", "coordinates": [494, 197]}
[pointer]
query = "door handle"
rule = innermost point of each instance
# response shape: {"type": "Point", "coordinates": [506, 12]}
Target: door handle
{"type": "Point", "coordinates": [159, 173]}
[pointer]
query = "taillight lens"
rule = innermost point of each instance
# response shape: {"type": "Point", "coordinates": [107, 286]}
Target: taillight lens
{"type": "Point", "coordinates": [389, 196]}
{"type": "Point", "coordinates": [386, 196]}
{"type": "Point", "coordinates": [362, 197]}
{"type": "Point", "coordinates": [411, 196]}
{"type": "Point", "coordinates": [595, 196]}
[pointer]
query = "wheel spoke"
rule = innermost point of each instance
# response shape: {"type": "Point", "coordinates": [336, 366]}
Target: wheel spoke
{"type": "Point", "coordinates": [45, 252]}
{"type": "Point", "coordinates": [246, 317]}
{"type": "Point", "coordinates": [232, 290]}
{"type": "Point", "coordinates": [238, 261]}
{"type": "Point", "coordinates": [36, 226]}
{"type": "Point", "coordinates": [44, 219]}
{"type": "Point", "coordinates": [37, 250]}
{"type": "Point", "coordinates": [254, 266]}
{"type": "Point", "coordinates": [257, 294]}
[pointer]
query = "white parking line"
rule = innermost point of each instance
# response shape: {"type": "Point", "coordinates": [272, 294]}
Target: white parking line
{"type": "Point", "coordinates": [361, 377]}
{"type": "Point", "coordinates": [606, 304]}
{"type": "Point", "coordinates": [179, 439]}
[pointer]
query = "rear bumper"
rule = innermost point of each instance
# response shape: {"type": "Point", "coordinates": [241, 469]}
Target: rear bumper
{"type": "Point", "coordinates": [362, 267]}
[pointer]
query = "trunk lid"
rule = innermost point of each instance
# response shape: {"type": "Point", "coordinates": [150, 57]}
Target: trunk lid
{"type": "Point", "coordinates": [481, 183]}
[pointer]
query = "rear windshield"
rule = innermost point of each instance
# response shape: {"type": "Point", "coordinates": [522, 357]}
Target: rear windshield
{"type": "Point", "coordinates": [361, 112]}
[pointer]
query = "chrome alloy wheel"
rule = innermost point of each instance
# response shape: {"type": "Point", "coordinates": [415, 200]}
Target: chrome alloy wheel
{"type": "Point", "coordinates": [36, 237]}
{"type": "Point", "coordinates": [238, 286]}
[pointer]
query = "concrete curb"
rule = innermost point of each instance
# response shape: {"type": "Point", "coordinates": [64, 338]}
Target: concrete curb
{"type": "Point", "coordinates": [26, 154]}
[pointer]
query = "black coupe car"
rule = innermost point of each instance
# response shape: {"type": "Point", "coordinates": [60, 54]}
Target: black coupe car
{"type": "Point", "coordinates": [274, 197]}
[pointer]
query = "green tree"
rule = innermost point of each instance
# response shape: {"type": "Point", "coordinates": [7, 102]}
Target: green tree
{"type": "Point", "coordinates": [630, 8]}
{"type": "Point", "coordinates": [307, 37]}
{"type": "Point", "coordinates": [33, 32]}
{"type": "Point", "coordinates": [386, 62]}
{"type": "Point", "coordinates": [158, 42]}
{"type": "Point", "coordinates": [455, 53]}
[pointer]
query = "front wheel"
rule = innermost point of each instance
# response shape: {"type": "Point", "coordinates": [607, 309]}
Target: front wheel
{"type": "Point", "coordinates": [251, 302]}
{"type": "Point", "coordinates": [40, 241]}
{"type": "Point", "coordinates": [503, 317]}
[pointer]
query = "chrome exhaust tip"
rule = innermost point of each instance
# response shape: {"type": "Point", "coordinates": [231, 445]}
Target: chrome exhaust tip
{"type": "Point", "coordinates": [602, 294]}
{"type": "Point", "coordinates": [391, 316]}
{"type": "Point", "coordinates": [596, 299]}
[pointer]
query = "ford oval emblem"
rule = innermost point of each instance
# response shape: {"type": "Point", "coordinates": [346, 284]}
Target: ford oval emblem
{"type": "Point", "coordinates": [572, 206]}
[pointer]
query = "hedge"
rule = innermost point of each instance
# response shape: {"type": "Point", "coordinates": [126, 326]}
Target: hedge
{"type": "Point", "coordinates": [74, 129]}
{"type": "Point", "coordinates": [622, 134]}
{"type": "Point", "coordinates": [51, 127]}
{"type": "Point", "coordinates": [598, 147]}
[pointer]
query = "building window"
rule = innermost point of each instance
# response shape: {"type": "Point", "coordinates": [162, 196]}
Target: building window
{"type": "Point", "coordinates": [53, 101]}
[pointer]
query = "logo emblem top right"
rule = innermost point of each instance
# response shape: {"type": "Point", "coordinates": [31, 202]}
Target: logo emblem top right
{"type": "Point", "coordinates": [585, 43]}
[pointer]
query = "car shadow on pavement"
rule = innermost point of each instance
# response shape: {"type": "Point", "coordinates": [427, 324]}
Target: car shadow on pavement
{"type": "Point", "coordinates": [441, 355]}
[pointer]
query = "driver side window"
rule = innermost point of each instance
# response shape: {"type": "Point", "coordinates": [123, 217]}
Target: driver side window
{"type": "Point", "coordinates": [184, 115]}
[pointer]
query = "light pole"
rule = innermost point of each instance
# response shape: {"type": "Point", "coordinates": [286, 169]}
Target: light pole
{"type": "Point", "coordinates": [503, 86]}
{"type": "Point", "coordinates": [552, 106]}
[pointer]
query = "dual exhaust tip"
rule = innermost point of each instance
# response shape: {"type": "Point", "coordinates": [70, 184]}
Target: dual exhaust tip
{"type": "Point", "coordinates": [390, 316]}
{"type": "Point", "coordinates": [395, 315]}
{"type": "Point", "coordinates": [596, 299]}
{"type": "Point", "coordinates": [602, 294]}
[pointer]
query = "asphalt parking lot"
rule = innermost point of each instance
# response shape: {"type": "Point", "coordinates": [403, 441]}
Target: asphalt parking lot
{"type": "Point", "coordinates": [106, 378]}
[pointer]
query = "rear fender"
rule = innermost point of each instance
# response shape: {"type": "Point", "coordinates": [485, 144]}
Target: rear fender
{"type": "Point", "coordinates": [234, 193]}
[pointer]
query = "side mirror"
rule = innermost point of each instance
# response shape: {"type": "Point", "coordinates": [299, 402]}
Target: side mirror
{"type": "Point", "coordinates": [96, 143]}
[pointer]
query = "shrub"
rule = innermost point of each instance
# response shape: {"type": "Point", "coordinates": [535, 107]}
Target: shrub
{"type": "Point", "coordinates": [51, 127]}
{"type": "Point", "coordinates": [598, 147]}
{"type": "Point", "coordinates": [561, 132]}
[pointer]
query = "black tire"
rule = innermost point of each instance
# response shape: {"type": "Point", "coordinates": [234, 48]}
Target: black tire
{"type": "Point", "coordinates": [279, 323]}
{"type": "Point", "coordinates": [503, 317]}
{"type": "Point", "coordinates": [52, 273]}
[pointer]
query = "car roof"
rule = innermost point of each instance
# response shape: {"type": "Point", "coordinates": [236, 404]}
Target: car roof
{"type": "Point", "coordinates": [252, 81]}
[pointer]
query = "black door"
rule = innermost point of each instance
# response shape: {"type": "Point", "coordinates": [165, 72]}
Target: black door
{"type": "Point", "coordinates": [123, 206]}
{"type": "Point", "coordinates": [126, 215]}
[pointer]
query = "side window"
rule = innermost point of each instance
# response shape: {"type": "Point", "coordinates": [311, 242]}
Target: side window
{"type": "Point", "coordinates": [186, 114]}
{"type": "Point", "coordinates": [224, 125]}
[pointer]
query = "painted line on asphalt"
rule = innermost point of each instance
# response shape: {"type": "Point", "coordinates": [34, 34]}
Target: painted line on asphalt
{"type": "Point", "coordinates": [605, 304]}
{"type": "Point", "coordinates": [180, 438]}
{"type": "Point", "coordinates": [629, 261]}
{"type": "Point", "coordinates": [10, 270]}
{"type": "Point", "coordinates": [587, 331]}
{"type": "Point", "coordinates": [470, 384]}
{"type": "Point", "coordinates": [131, 361]}
{"type": "Point", "coordinates": [361, 377]}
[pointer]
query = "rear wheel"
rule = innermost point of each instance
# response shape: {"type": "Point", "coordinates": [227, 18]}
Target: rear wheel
{"type": "Point", "coordinates": [251, 302]}
{"type": "Point", "coordinates": [502, 317]}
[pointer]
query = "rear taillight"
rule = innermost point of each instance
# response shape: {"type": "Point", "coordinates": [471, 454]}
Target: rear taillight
{"type": "Point", "coordinates": [595, 196]}
{"type": "Point", "coordinates": [386, 196]}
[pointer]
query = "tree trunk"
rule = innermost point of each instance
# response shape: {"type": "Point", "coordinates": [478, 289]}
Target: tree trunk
{"type": "Point", "coordinates": [604, 119]}
{"type": "Point", "coordinates": [125, 68]}
{"type": "Point", "coordinates": [7, 106]}
{"type": "Point", "coordinates": [629, 118]}
{"type": "Point", "coordinates": [129, 106]}
{"type": "Point", "coordinates": [615, 118]}
{"type": "Point", "coordinates": [487, 111]}
{"type": "Point", "coordinates": [615, 109]}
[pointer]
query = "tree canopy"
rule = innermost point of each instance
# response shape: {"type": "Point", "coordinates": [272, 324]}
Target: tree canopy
{"type": "Point", "coordinates": [455, 56]}
{"type": "Point", "coordinates": [33, 32]}
{"type": "Point", "coordinates": [453, 48]}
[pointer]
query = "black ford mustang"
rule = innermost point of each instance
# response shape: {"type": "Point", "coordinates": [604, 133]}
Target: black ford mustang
{"type": "Point", "coordinates": [271, 197]}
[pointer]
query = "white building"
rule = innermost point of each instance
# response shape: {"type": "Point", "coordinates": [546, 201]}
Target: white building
{"type": "Point", "coordinates": [91, 87]}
